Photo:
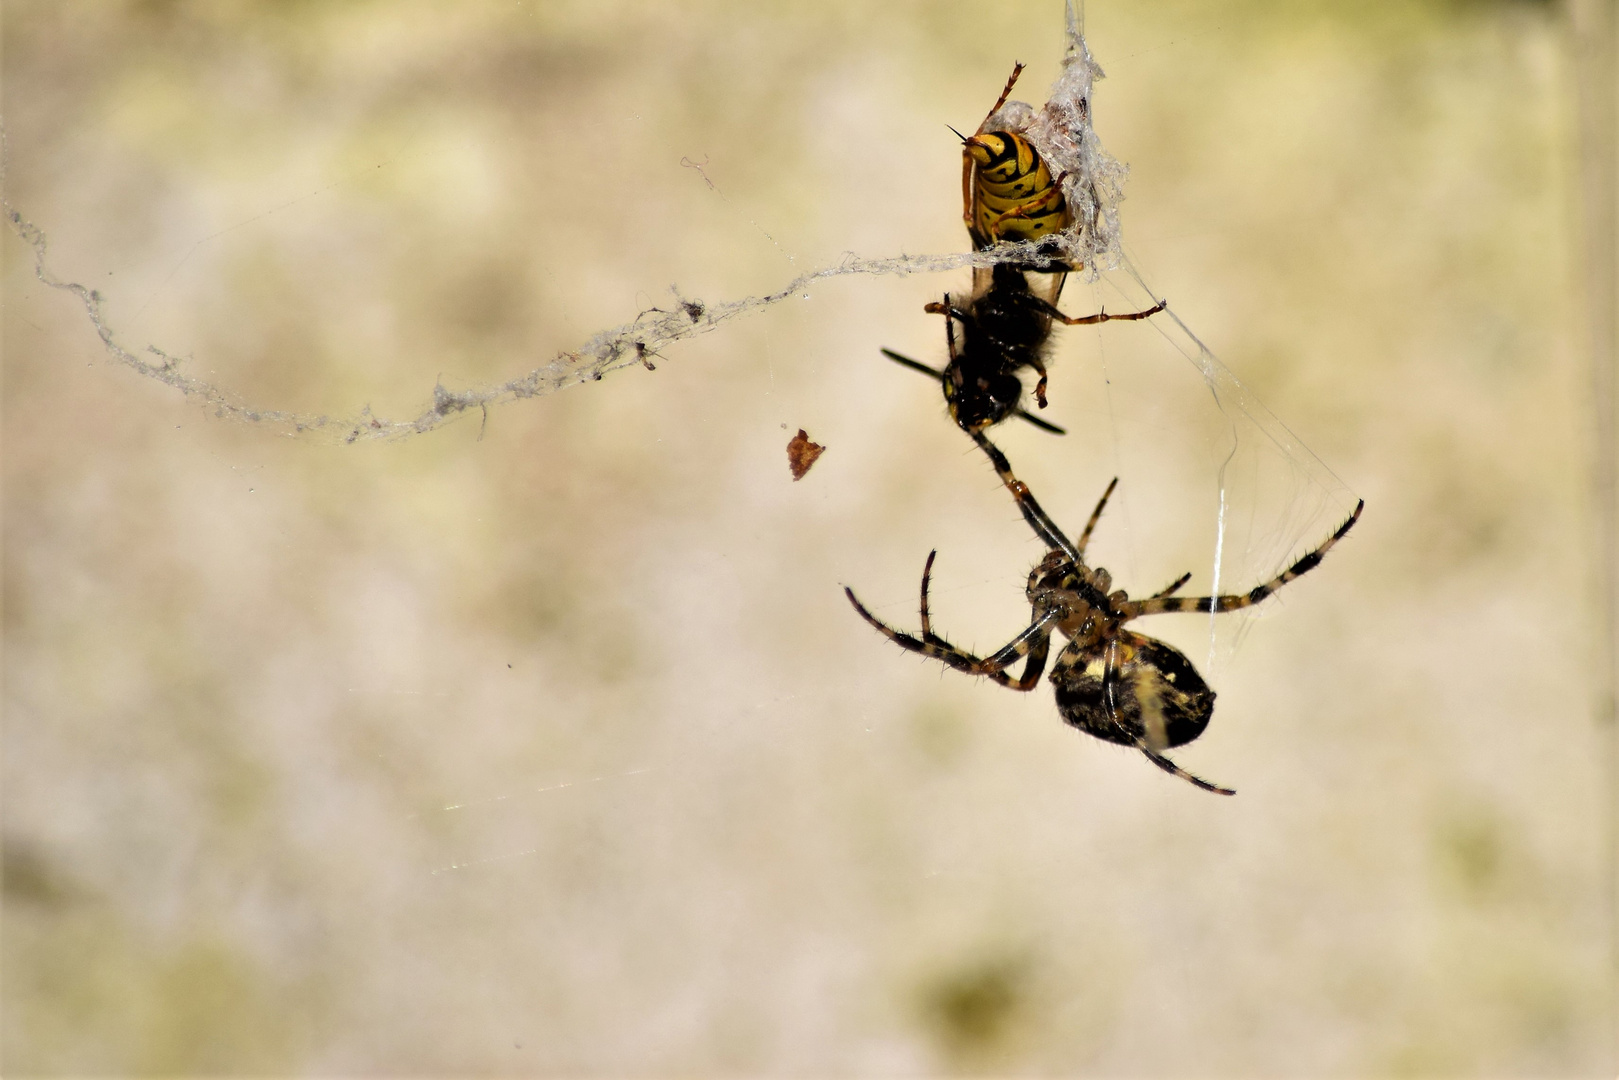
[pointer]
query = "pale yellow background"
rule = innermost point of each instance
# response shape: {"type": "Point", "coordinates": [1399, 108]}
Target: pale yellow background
{"type": "Point", "coordinates": [705, 821]}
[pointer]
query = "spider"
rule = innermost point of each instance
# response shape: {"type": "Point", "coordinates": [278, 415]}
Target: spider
{"type": "Point", "coordinates": [1111, 682]}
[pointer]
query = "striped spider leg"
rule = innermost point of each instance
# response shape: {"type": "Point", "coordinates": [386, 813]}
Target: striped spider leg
{"type": "Point", "coordinates": [1111, 682]}
{"type": "Point", "coordinates": [1034, 642]}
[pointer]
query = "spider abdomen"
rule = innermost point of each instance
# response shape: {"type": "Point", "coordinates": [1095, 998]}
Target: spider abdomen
{"type": "Point", "coordinates": [1139, 691]}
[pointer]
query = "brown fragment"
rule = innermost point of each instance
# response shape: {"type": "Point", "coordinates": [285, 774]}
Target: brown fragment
{"type": "Point", "coordinates": [801, 453]}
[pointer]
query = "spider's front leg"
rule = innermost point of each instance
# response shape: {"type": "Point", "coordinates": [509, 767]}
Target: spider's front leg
{"type": "Point", "coordinates": [1092, 589]}
{"type": "Point", "coordinates": [1040, 521]}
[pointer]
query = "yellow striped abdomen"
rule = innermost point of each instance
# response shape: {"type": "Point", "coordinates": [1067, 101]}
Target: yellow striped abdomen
{"type": "Point", "coordinates": [1013, 195]}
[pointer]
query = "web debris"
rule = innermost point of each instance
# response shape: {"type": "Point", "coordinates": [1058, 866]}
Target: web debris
{"type": "Point", "coordinates": [630, 343]}
{"type": "Point", "coordinates": [1062, 129]}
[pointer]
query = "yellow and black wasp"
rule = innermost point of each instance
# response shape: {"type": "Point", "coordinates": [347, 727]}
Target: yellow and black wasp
{"type": "Point", "coordinates": [1007, 190]}
{"type": "Point", "coordinates": [1009, 194]}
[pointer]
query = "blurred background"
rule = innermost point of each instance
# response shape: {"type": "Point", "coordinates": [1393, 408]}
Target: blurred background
{"type": "Point", "coordinates": [548, 743]}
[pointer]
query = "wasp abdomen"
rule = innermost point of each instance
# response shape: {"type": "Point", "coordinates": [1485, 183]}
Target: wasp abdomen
{"type": "Point", "coordinates": [1014, 196]}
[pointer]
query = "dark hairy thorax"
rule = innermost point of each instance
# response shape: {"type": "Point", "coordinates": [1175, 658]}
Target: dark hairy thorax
{"type": "Point", "coordinates": [1009, 325]}
{"type": "Point", "coordinates": [1003, 329]}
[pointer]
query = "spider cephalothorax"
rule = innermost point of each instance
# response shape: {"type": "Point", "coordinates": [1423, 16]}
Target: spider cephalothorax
{"type": "Point", "coordinates": [1110, 682]}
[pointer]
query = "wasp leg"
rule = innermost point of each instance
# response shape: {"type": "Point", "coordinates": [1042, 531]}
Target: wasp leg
{"type": "Point", "coordinates": [967, 198]}
{"type": "Point", "coordinates": [1092, 320]}
{"type": "Point", "coordinates": [1102, 317]}
{"type": "Point", "coordinates": [934, 307]}
{"type": "Point", "coordinates": [1017, 70]}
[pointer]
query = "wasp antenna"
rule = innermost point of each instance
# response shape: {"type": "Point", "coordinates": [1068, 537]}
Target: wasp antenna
{"type": "Point", "coordinates": [912, 364]}
{"type": "Point", "coordinates": [1043, 425]}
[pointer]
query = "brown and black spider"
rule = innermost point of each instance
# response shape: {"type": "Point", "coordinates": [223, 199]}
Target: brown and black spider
{"type": "Point", "coordinates": [1112, 683]}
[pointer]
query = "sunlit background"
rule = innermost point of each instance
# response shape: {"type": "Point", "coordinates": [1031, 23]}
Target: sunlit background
{"type": "Point", "coordinates": [547, 743]}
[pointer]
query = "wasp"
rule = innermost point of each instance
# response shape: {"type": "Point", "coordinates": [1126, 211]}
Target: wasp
{"type": "Point", "coordinates": [1111, 683]}
{"type": "Point", "coordinates": [1008, 194]}
{"type": "Point", "coordinates": [1007, 190]}
{"type": "Point", "coordinates": [1004, 328]}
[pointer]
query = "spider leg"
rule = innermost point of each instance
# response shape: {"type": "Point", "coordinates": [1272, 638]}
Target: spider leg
{"type": "Point", "coordinates": [1038, 519]}
{"type": "Point", "coordinates": [927, 624]}
{"type": "Point", "coordinates": [1034, 643]}
{"type": "Point", "coordinates": [1049, 308]}
{"type": "Point", "coordinates": [1154, 732]}
{"type": "Point", "coordinates": [1173, 586]}
{"type": "Point", "coordinates": [1152, 728]}
{"type": "Point", "coordinates": [1043, 526]}
{"type": "Point", "coordinates": [1130, 609]}
{"type": "Point", "coordinates": [1096, 515]}
{"type": "Point", "coordinates": [1041, 203]}
{"type": "Point", "coordinates": [1170, 767]}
